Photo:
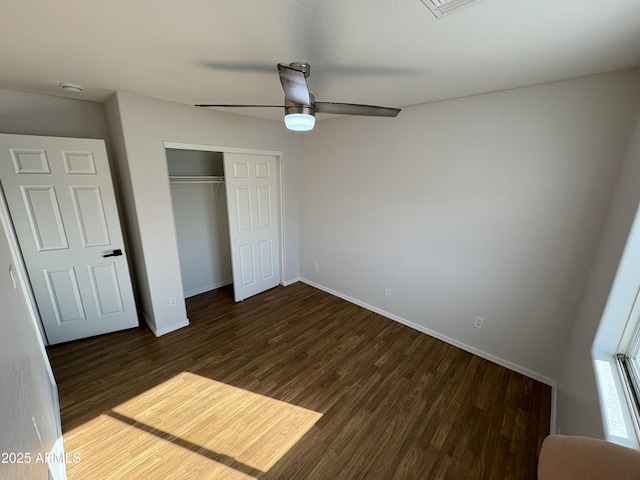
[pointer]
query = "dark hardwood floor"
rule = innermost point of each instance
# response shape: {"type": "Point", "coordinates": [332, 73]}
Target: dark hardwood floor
{"type": "Point", "coordinates": [293, 384]}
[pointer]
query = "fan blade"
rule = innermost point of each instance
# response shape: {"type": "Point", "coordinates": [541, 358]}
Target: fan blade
{"type": "Point", "coordinates": [294, 84]}
{"type": "Point", "coordinates": [238, 106]}
{"type": "Point", "coordinates": [355, 109]}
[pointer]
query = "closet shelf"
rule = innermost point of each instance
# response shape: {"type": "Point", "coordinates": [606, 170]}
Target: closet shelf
{"type": "Point", "coordinates": [195, 179]}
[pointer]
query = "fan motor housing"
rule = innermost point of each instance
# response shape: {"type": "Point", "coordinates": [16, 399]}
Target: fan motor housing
{"type": "Point", "coordinates": [301, 67]}
{"type": "Point", "coordinates": [291, 107]}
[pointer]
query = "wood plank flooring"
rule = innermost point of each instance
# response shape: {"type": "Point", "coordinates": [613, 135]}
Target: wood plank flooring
{"type": "Point", "coordinates": [293, 384]}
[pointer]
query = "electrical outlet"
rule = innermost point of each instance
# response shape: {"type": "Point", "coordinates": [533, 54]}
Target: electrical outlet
{"type": "Point", "coordinates": [315, 266]}
{"type": "Point", "coordinates": [387, 291]}
{"type": "Point", "coordinates": [479, 323]}
{"type": "Point", "coordinates": [173, 301]}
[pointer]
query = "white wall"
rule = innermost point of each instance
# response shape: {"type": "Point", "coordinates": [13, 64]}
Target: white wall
{"type": "Point", "coordinates": [126, 207]}
{"type": "Point", "coordinates": [202, 233]}
{"type": "Point", "coordinates": [33, 114]}
{"type": "Point", "coordinates": [194, 162]}
{"type": "Point", "coordinates": [579, 411]}
{"type": "Point", "coordinates": [29, 414]}
{"type": "Point", "coordinates": [485, 206]}
{"type": "Point", "coordinates": [146, 124]}
{"type": "Point", "coordinates": [623, 230]}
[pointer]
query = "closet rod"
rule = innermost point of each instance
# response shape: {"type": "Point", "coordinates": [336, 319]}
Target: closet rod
{"type": "Point", "coordinates": [196, 179]}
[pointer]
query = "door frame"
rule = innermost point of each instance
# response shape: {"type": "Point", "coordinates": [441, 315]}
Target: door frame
{"type": "Point", "coordinates": [57, 468]}
{"type": "Point", "coordinates": [7, 220]}
{"type": "Point", "coordinates": [279, 177]}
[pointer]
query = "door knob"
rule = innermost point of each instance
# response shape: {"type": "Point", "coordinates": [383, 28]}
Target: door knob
{"type": "Point", "coordinates": [115, 253]}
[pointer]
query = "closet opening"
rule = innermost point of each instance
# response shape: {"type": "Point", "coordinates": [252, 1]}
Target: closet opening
{"type": "Point", "coordinates": [201, 219]}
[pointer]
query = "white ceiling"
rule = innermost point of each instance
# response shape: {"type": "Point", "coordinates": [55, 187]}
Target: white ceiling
{"type": "Point", "coordinates": [385, 52]}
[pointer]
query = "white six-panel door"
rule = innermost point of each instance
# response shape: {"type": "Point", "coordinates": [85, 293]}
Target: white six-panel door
{"type": "Point", "coordinates": [63, 208]}
{"type": "Point", "coordinates": [252, 200]}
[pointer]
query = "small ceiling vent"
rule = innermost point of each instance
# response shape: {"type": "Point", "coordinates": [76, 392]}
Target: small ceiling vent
{"type": "Point", "coordinates": [442, 8]}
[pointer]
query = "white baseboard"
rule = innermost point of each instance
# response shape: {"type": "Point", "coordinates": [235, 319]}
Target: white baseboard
{"type": "Point", "coordinates": [171, 328]}
{"type": "Point", "coordinates": [158, 332]}
{"type": "Point", "coordinates": [207, 288]}
{"type": "Point", "coordinates": [463, 346]}
{"type": "Point", "coordinates": [286, 283]}
{"type": "Point", "coordinates": [57, 466]}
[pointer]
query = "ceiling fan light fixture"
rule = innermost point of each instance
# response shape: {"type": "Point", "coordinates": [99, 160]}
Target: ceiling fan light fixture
{"type": "Point", "coordinates": [299, 118]}
{"type": "Point", "coordinates": [300, 122]}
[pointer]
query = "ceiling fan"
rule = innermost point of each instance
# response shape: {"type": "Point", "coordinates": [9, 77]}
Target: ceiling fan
{"type": "Point", "coordinates": [300, 105]}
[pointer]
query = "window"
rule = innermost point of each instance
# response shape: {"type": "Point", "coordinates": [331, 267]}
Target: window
{"type": "Point", "coordinates": [629, 361]}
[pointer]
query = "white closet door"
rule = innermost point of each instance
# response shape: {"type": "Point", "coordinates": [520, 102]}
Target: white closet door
{"type": "Point", "coordinates": [252, 193]}
{"type": "Point", "coordinates": [63, 207]}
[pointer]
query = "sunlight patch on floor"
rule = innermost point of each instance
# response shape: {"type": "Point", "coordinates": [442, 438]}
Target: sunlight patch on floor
{"type": "Point", "coordinates": [112, 450]}
{"type": "Point", "coordinates": [192, 424]}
